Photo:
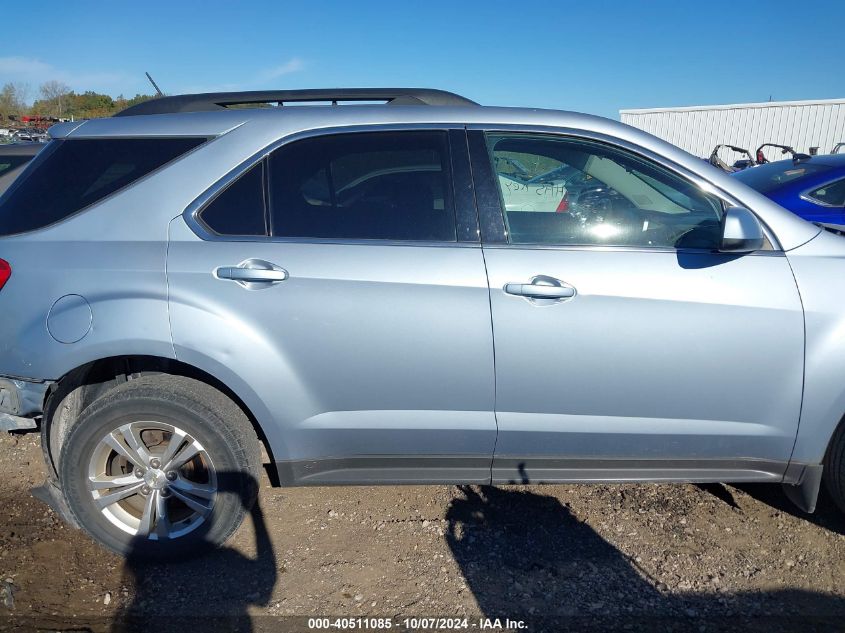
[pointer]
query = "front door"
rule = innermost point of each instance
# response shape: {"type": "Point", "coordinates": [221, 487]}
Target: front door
{"type": "Point", "coordinates": [625, 345]}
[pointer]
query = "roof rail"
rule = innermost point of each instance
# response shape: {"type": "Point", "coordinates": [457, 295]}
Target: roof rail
{"type": "Point", "coordinates": [211, 101]}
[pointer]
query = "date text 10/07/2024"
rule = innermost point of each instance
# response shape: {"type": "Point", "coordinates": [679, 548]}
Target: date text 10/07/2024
{"type": "Point", "coordinates": [417, 624]}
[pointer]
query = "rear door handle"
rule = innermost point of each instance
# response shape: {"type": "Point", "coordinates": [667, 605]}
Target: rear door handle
{"type": "Point", "coordinates": [535, 291]}
{"type": "Point", "coordinates": [253, 273]}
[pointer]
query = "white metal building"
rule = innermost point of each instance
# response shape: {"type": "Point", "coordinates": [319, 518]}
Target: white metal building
{"type": "Point", "coordinates": [697, 129]}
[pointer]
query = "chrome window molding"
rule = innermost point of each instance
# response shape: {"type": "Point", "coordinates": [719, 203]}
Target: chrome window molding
{"type": "Point", "coordinates": [576, 134]}
{"type": "Point", "coordinates": [207, 236]}
{"type": "Point", "coordinates": [631, 249]}
{"type": "Point", "coordinates": [193, 210]}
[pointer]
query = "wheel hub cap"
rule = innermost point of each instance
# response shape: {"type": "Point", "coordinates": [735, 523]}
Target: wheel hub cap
{"type": "Point", "coordinates": [155, 479]}
{"type": "Point", "coordinates": [152, 479]}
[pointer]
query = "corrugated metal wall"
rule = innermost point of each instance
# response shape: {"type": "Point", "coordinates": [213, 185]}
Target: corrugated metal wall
{"type": "Point", "coordinates": [800, 124]}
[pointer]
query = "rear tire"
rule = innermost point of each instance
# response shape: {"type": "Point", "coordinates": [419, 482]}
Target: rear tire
{"type": "Point", "coordinates": [834, 467]}
{"type": "Point", "coordinates": [161, 467]}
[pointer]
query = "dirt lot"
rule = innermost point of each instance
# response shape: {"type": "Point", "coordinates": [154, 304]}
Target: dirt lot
{"type": "Point", "coordinates": [611, 557]}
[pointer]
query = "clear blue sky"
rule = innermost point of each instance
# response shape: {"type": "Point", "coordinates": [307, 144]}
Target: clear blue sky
{"type": "Point", "coordinates": [592, 56]}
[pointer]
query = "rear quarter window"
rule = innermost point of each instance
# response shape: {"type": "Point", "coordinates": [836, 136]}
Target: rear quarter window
{"type": "Point", "coordinates": [832, 194]}
{"type": "Point", "coordinates": [239, 209]}
{"type": "Point", "coordinates": [70, 175]}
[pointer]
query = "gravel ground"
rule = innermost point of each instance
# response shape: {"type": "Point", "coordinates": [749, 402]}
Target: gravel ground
{"type": "Point", "coordinates": [590, 557]}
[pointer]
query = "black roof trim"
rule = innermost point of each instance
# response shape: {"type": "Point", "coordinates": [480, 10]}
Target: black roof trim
{"type": "Point", "coordinates": [211, 101]}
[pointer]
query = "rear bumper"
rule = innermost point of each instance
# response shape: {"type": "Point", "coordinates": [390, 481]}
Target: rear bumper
{"type": "Point", "coordinates": [16, 423]}
{"type": "Point", "coordinates": [21, 401]}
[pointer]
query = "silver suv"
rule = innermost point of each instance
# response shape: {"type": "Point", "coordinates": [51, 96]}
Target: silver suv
{"type": "Point", "coordinates": [422, 290]}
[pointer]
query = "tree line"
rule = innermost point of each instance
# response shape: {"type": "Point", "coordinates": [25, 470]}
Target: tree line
{"type": "Point", "coordinates": [57, 100]}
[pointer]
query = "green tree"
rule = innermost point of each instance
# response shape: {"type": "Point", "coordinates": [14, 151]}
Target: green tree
{"type": "Point", "coordinates": [58, 100]}
{"type": "Point", "coordinates": [13, 99]}
{"type": "Point", "coordinates": [54, 96]}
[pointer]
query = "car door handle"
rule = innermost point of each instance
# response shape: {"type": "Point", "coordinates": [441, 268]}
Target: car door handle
{"type": "Point", "coordinates": [541, 287]}
{"type": "Point", "coordinates": [535, 291]}
{"type": "Point", "coordinates": [253, 273]}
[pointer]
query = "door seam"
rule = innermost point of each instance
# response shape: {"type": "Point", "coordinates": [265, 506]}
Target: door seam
{"type": "Point", "coordinates": [803, 364]}
{"type": "Point", "coordinates": [490, 306]}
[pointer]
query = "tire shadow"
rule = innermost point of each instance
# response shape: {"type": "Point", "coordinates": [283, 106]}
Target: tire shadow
{"type": "Point", "coordinates": [209, 593]}
{"type": "Point", "coordinates": [524, 555]}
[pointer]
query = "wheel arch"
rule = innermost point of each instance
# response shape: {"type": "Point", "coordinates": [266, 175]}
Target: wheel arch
{"type": "Point", "coordinates": [82, 385]}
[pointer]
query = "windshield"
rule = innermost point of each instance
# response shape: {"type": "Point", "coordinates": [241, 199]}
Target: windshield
{"type": "Point", "coordinates": [766, 178]}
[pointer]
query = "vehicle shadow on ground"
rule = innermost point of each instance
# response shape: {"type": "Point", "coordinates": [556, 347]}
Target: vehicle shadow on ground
{"type": "Point", "coordinates": [208, 593]}
{"type": "Point", "coordinates": [826, 516]}
{"type": "Point", "coordinates": [525, 556]}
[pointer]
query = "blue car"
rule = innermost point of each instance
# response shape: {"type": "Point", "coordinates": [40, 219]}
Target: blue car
{"type": "Point", "coordinates": [812, 187]}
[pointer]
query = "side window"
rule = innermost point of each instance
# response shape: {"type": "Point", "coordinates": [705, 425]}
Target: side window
{"type": "Point", "coordinates": [832, 194]}
{"type": "Point", "coordinates": [566, 191]}
{"type": "Point", "coordinates": [240, 208]}
{"type": "Point", "coordinates": [379, 186]}
{"type": "Point", "coordinates": [69, 175]}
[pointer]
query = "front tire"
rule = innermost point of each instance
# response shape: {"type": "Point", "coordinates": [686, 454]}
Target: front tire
{"type": "Point", "coordinates": [161, 467]}
{"type": "Point", "coordinates": [834, 467]}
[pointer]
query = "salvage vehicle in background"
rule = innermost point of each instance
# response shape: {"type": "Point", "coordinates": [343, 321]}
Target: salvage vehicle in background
{"type": "Point", "coordinates": [13, 158]}
{"type": "Point", "coordinates": [813, 187]}
{"type": "Point", "coordinates": [716, 161]}
{"type": "Point", "coordinates": [784, 149]}
{"type": "Point", "coordinates": [356, 289]}
{"type": "Point", "coordinates": [759, 158]}
{"type": "Point", "coordinates": [29, 136]}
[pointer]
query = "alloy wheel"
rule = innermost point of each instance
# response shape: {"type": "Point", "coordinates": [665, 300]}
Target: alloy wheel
{"type": "Point", "coordinates": [152, 479]}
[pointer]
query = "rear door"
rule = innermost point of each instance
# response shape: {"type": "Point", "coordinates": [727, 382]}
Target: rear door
{"type": "Point", "coordinates": [626, 345]}
{"type": "Point", "coordinates": [356, 310]}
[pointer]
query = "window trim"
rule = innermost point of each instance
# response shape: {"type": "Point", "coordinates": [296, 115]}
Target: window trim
{"type": "Point", "coordinates": [491, 213]}
{"type": "Point", "coordinates": [806, 197]}
{"type": "Point", "coordinates": [468, 216]}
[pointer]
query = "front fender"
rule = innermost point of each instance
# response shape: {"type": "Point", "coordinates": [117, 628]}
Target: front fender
{"type": "Point", "coordinates": [819, 269]}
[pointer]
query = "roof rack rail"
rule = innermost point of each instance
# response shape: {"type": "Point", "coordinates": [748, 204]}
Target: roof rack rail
{"type": "Point", "coordinates": [211, 101]}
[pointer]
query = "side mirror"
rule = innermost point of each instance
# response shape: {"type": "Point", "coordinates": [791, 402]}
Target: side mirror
{"type": "Point", "coordinates": [741, 231]}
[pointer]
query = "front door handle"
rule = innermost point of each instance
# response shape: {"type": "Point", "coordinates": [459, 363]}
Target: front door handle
{"type": "Point", "coordinates": [253, 273]}
{"type": "Point", "coordinates": [541, 287]}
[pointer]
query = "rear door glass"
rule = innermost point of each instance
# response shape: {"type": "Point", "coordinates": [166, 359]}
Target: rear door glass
{"type": "Point", "coordinates": [70, 175]}
{"type": "Point", "coordinates": [373, 186]}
